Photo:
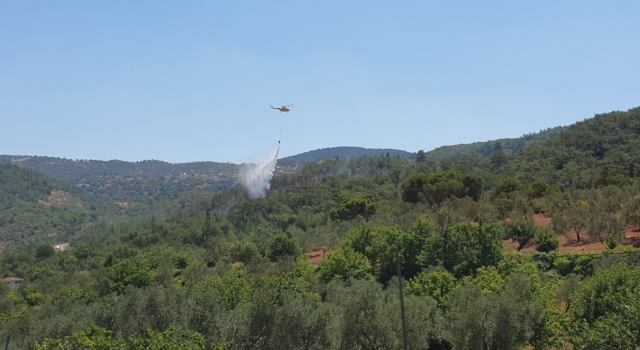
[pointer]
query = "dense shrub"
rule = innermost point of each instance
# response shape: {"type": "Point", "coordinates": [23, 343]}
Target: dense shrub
{"type": "Point", "coordinates": [438, 187]}
{"type": "Point", "coordinates": [347, 207]}
{"type": "Point", "coordinates": [546, 240]}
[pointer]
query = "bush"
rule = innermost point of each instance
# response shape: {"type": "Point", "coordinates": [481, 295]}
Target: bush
{"type": "Point", "coordinates": [283, 245]}
{"type": "Point", "coordinates": [521, 231]}
{"type": "Point", "coordinates": [562, 265]}
{"type": "Point", "coordinates": [538, 189]}
{"type": "Point", "coordinates": [612, 240]}
{"type": "Point", "coordinates": [136, 272]}
{"type": "Point", "coordinates": [584, 265]}
{"type": "Point", "coordinates": [349, 206]}
{"type": "Point", "coordinates": [94, 337]}
{"type": "Point", "coordinates": [44, 251]}
{"type": "Point", "coordinates": [464, 249]}
{"type": "Point", "coordinates": [546, 240]}
{"type": "Point", "coordinates": [244, 251]}
{"type": "Point", "coordinates": [435, 188]}
{"type": "Point", "coordinates": [560, 225]}
{"type": "Point", "coordinates": [632, 213]}
{"type": "Point", "coordinates": [344, 264]}
{"type": "Point", "coordinates": [180, 260]}
{"type": "Point", "coordinates": [378, 244]}
{"type": "Point", "coordinates": [604, 312]}
{"type": "Point", "coordinates": [507, 186]}
{"type": "Point", "coordinates": [437, 284]}
{"type": "Point", "coordinates": [504, 206]}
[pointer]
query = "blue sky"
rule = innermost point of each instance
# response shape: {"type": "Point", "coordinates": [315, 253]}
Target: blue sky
{"type": "Point", "coordinates": [193, 81]}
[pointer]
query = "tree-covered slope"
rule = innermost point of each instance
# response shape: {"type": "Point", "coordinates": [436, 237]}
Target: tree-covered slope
{"type": "Point", "coordinates": [37, 208]}
{"type": "Point", "coordinates": [119, 179]}
{"type": "Point", "coordinates": [18, 184]}
{"type": "Point", "coordinates": [343, 153]}
{"type": "Point", "coordinates": [69, 170]}
{"type": "Point", "coordinates": [33, 206]}
{"type": "Point", "coordinates": [594, 152]}
{"type": "Point", "coordinates": [485, 149]}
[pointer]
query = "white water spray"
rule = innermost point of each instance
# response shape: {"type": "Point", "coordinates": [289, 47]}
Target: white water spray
{"type": "Point", "coordinates": [256, 177]}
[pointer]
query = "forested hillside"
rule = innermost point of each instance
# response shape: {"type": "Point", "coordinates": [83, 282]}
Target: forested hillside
{"type": "Point", "coordinates": [131, 180]}
{"type": "Point", "coordinates": [124, 180]}
{"type": "Point", "coordinates": [33, 206]}
{"type": "Point", "coordinates": [342, 153]}
{"type": "Point", "coordinates": [509, 252]}
{"type": "Point", "coordinates": [595, 152]}
{"type": "Point", "coordinates": [486, 149]}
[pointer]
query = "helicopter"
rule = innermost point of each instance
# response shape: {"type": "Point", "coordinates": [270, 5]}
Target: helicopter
{"type": "Point", "coordinates": [283, 108]}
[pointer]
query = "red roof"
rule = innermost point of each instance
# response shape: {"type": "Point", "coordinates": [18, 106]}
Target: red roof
{"type": "Point", "coordinates": [12, 279]}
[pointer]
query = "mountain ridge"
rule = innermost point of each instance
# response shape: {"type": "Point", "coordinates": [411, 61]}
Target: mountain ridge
{"type": "Point", "coordinates": [120, 179]}
{"type": "Point", "coordinates": [345, 152]}
{"type": "Point", "coordinates": [484, 149]}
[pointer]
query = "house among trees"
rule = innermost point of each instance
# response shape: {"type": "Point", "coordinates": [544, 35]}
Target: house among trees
{"type": "Point", "coordinates": [12, 282]}
{"type": "Point", "coordinates": [61, 247]}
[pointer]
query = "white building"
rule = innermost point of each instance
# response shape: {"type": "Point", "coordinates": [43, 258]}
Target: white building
{"type": "Point", "coordinates": [61, 247]}
{"type": "Point", "coordinates": [12, 282]}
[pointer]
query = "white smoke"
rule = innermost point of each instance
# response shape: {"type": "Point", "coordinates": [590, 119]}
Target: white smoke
{"type": "Point", "coordinates": [256, 177]}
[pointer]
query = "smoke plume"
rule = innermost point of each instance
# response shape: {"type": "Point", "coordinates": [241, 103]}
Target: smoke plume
{"type": "Point", "coordinates": [256, 177]}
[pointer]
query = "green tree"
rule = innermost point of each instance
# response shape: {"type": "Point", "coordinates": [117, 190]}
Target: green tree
{"type": "Point", "coordinates": [96, 338]}
{"type": "Point", "coordinates": [395, 176]}
{"type": "Point", "coordinates": [180, 260]}
{"type": "Point", "coordinates": [367, 317]}
{"type": "Point", "coordinates": [31, 297]}
{"type": "Point", "coordinates": [437, 284]}
{"type": "Point", "coordinates": [421, 157]}
{"type": "Point", "coordinates": [612, 240]}
{"type": "Point", "coordinates": [463, 249]}
{"type": "Point", "coordinates": [132, 271]}
{"type": "Point", "coordinates": [498, 159]}
{"type": "Point", "coordinates": [344, 264]}
{"type": "Point", "coordinates": [244, 251]}
{"type": "Point", "coordinates": [44, 251]}
{"type": "Point", "coordinates": [504, 206]}
{"type": "Point", "coordinates": [555, 204]}
{"type": "Point", "coordinates": [507, 186]}
{"type": "Point", "coordinates": [560, 225]}
{"type": "Point", "coordinates": [488, 279]}
{"type": "Point", "coordinates": [92, 337]}
{"type": "Point", "coordinates": [540, 189]}
{"type": "Point", "coordinates": [601, 225]}
{"type": "Point", "coordinates": [502, 320]}
{"type": "Point", "coordinates": [234, 288]}
{"type": "Point", "coordinates": [546, 240]}
{"type": "Point", "coordinates": [521, 231]}
{"type": "Point", "coordinates": [379, 245]}
{"type": "Point", "coordinates": [284, 244]}
{"type": "Point", "coordinates": [446, 216]}
{"type": "Point", "coordinates": [170, 339]}
{"type": "Point", "coordinates": [303, 322]}
{"type": "Point", "coordinates": [434, 188]}
{"type": "Point", "coordinates": [605, 312]}
{"type": "Point", "coordinates": [632, 213]}
{"type": "Point", "coordinates": [349, 206]}
{"type": "Point", "coordinates": [578, 216]}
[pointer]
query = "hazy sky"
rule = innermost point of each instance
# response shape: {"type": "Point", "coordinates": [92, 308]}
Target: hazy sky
{"type": "Point", "coordinates": [193, 80]}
